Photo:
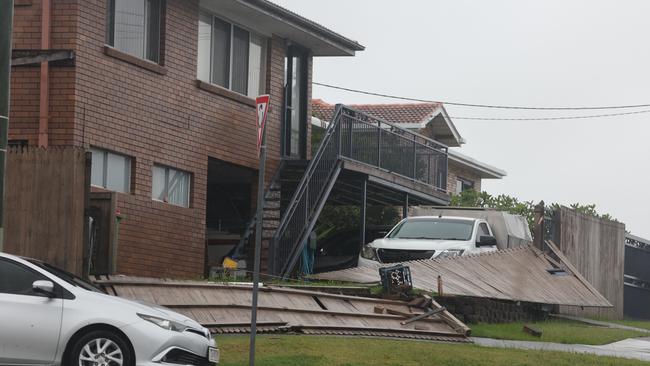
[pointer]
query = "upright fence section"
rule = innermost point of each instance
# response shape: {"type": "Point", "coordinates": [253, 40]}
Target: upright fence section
{"type": "Point", "coordinates": [356, 136]}
{"type": "Point", "coordinates": [45, 204]}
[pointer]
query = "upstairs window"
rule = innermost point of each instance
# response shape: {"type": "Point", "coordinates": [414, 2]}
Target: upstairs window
{"type": "Point", "coordinates": [171, 185]}
{"type": "Point", "coordinates": [231, 56]}
{"type": "Point", "coordinates": [133, 27]}
{"type": "Point", "coordinates": [110, 171]}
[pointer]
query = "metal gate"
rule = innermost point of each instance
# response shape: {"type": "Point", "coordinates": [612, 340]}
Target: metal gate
{"type": "Point", "coordinates": [637, 277]}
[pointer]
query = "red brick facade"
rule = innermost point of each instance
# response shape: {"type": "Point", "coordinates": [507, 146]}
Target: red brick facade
{"type": "Point", "coordinates": [455, 171]}
{"type": "Point", "coordinates": [152, 114]}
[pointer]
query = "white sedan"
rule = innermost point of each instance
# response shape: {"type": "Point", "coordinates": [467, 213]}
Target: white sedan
{"type": "Point", "coordinates": [51, 317]}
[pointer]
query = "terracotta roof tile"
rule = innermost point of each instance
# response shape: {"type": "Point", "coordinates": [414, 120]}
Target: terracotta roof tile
{"type": "Point", "coordinates": [392, 113]}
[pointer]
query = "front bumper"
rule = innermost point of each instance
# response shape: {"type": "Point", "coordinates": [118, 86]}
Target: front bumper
{"type": "Point", "coordinates": [155, 346]}
{"type": "Point", "coordinates": [364, 262]}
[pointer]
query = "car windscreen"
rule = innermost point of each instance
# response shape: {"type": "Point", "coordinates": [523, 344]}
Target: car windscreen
{"type": "Point", "coordinates": [66, 276]}
{"type": "Point", "coordinates": [435, 229]}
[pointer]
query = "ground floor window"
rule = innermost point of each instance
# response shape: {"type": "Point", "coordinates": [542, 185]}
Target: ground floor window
{"type": "Point", "coordinates": [110, 171]}
{"type": "Point", "coordinates": [463, 184]}
{"type": "Point", "coordinates": [170, 185]}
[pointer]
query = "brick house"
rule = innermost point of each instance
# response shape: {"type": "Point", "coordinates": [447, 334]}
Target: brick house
{"type": "Point", "coordinates": [431, 120]}
{"type": "Point", "coordinates": [161, 92]}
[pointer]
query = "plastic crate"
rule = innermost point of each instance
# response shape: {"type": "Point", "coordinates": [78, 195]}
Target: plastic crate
{"type": "Point", "coordinates": [396, 279]}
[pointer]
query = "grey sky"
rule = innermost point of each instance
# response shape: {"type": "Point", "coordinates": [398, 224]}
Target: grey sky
{"type": "Point", "coordinates": [542, 53]}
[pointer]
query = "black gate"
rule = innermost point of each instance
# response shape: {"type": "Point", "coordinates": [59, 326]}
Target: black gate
{"type": "Point", "coordinates": [637, 277]}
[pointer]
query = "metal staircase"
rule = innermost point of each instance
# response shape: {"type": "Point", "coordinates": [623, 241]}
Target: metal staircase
{"type": "Point", "coordinates": [352, 137]}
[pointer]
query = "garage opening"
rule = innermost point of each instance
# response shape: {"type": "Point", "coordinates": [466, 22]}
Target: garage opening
{"type": "Point", "coordinates": [228, 208]}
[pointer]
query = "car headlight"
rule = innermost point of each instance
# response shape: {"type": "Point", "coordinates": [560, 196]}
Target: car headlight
{"type": "Point", "coordinates": [450, 253]}
{"type": "Point", "coordinates": [164, 323]}
{"type": "Point", "coordinates": [368, 252]}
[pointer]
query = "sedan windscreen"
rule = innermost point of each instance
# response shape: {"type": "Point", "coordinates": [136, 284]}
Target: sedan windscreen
{"type": "Point", "coordinates": [434, 229]}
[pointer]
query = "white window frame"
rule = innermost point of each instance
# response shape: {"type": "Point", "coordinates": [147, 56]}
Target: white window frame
{"type": "Point", "coordinates": [127, 170]}
{"type": "Point", "coordinates": [263, 61]}
{"type": "Point", "coordinates": [166, 189]}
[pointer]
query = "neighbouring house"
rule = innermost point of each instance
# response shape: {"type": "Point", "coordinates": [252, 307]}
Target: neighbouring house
{"type": "Point", "coordinates": [430, 120]}
{"type": "Point", "coordinates": [162, 93]}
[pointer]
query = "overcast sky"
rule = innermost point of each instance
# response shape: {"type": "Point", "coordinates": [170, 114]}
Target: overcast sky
{"type": "Point", "coordinates": [528, 53]}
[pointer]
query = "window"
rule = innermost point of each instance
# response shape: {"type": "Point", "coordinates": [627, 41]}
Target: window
{"type": "Point", "coordinates": [231, 56]}
{"type": "Point", "coordinates": [434, 229]}
{"type": "Point", "coordinates": [483, 230]}
{"type": "Point", "coordinates": [134, 27]}
{"type": "Point", "coordinates": [463, 184]}
{"type": "Point", "coordinates": [110, 171]}
{"type": "Point", "coordinates": [295, 79]}
{"type": "Point", "coordinates": [171, 186]}
{"type": "Point", "coordinates": [17, 279]}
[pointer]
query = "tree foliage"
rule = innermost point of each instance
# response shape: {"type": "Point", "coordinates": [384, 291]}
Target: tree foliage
{"type": "Point", "coordinates": [503, 202]}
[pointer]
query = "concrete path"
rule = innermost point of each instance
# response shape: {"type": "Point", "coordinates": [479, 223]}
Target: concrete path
{"type": "Point", "coordinates": [633, 348]}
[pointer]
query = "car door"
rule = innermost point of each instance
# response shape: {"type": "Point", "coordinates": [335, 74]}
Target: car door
{"type": "Point", "coordinates": [30, 323]}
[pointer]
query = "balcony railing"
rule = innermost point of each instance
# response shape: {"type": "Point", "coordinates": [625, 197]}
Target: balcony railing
{"type": "Point", "coordinates": [383, 145]}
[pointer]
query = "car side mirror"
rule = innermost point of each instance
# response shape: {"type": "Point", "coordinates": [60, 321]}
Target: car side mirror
{"type": "Point", "coordinates": [486, 241]}
{"type": "Point", "coordinates": [43, 287]}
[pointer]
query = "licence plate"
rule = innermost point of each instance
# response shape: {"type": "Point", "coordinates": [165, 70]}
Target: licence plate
{"type": "Point", "coordinates": [213, 354]}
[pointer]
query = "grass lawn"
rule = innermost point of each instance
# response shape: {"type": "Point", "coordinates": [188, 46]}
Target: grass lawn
{"type": "Point", "coordinates": [645, 324]}
{"type": "Point", "coordinates": [558, 331]}
{"type": "Point", "coordinates": [295, 350]}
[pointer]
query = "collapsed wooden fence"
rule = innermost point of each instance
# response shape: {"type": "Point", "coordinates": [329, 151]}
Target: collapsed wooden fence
{"type": "Point", "coordinates": [226, 308]}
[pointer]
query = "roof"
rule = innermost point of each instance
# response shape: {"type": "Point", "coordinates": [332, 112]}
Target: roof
{"type": "Point", "coordinates": [406, 115]}
{"type": "Point", "coordinates": [391, 113]}
{"type": "Point", "coordinates": [484, 170]}
{"type": "Point", "coordinates": [268, 18]}
{"type": "Point", "coordinates": [519, 274]}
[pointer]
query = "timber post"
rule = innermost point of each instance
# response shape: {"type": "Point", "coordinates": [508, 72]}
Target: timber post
{"type": "Point", "coordinates": [538, 230]}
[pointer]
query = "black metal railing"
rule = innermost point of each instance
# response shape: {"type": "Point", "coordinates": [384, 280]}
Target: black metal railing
{"type": "Point", "coordinates": [360, 137]}
{"type": "Point", "coordinates": [370, 140]}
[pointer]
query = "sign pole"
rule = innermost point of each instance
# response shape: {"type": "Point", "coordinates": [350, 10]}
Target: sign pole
{"type": "Point", "coordinates": [262, 108]}
{"type": "Point", "coordinates": [6, 27]}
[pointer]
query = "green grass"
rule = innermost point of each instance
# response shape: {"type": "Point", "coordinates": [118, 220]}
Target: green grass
{"type": "Point", "coordinates": [558, 331]}
{"type": "Point", "coordinates": [294, 350]}
{"type": "Point", "coordinates": [645, 324]}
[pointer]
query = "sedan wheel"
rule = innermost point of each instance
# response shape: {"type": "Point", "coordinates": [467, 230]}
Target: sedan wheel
{"type": "Point", "coordinates": [101, 348]}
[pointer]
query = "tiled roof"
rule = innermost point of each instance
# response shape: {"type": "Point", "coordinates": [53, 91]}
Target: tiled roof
{"type": "Point", "coordinates": [392, 113]}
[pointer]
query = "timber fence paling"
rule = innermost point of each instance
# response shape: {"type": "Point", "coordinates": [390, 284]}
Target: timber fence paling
{"type": "Point", "coordinates": [45, 211]}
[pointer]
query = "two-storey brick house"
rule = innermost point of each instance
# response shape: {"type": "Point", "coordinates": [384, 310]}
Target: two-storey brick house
{"type": "Point", "coordinates": [161, 92]}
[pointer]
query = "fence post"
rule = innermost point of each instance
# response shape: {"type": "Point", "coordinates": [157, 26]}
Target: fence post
{"type": "Point", "coordinates": [538, 230]}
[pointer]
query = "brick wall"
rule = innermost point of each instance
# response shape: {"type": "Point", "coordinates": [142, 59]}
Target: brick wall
{"type": "Point", "coordinates": [25, 80]}
{"type": "Point", "coordinates": [152, 114]}
{"type": "Point", "coordinates": [456, 170]}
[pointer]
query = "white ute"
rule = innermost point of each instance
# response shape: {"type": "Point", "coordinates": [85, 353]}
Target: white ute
{"type": "Point", "coordinates": [428, 237]}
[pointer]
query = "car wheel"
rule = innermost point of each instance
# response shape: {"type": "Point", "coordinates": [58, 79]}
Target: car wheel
{"type": "Point", "coordinates": [101, 348]}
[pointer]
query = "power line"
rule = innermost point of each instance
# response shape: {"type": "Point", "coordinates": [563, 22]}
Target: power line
{"type": "Point", "coordinates": [474, 105]}
{"type": "Point", "coordinates": [553, 118]}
